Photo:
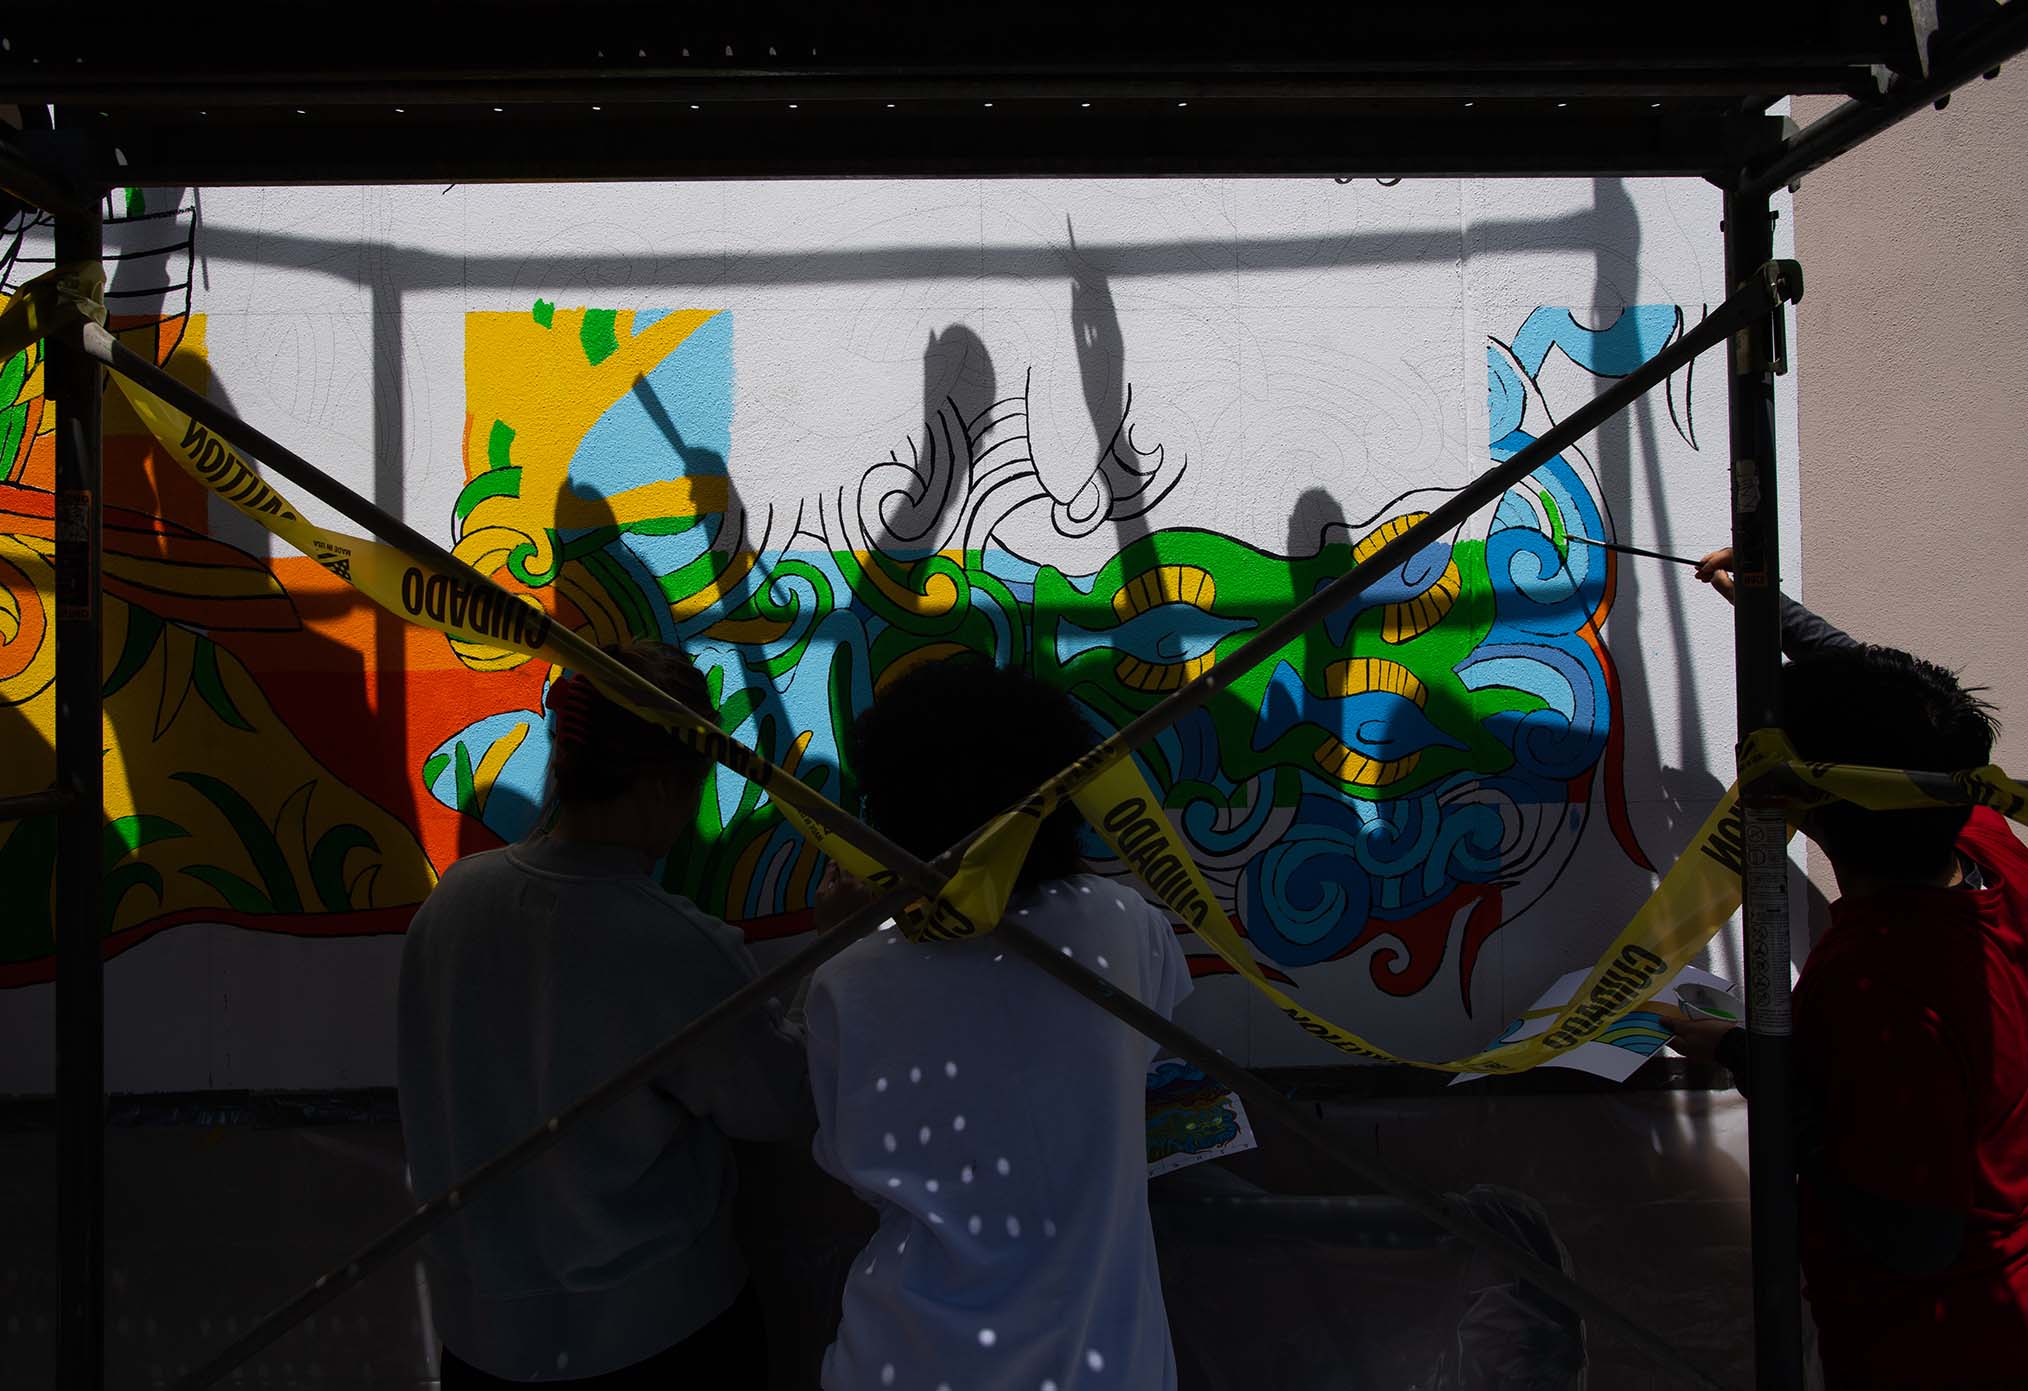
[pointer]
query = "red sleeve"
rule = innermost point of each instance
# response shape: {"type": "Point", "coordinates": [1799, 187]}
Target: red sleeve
{"type": "Point", "coordinates": [1898, 1118]}
{"type": "Point", "coordinates": [1994, 842]}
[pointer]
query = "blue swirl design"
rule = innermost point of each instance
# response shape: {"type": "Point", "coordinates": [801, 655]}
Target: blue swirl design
{"type": "Point", "coordinates": [1312, 870]}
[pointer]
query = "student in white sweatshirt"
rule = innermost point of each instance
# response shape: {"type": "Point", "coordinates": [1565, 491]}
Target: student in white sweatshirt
{"type": "Point", "coordinates": [995, 1120]}
{"type": "Point", "coordinates": [531, 975]}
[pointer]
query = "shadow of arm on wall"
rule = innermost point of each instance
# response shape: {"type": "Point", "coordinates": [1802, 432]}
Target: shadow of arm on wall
{"type": "Point", "coordinates": [415, 268]}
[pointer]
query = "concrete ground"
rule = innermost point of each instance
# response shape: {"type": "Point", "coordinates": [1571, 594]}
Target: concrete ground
{"type": "Point", "coordinates": [211, 1225]}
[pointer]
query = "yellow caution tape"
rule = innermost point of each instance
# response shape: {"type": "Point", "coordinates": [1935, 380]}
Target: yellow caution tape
{"type": "Point", "coordinates": [56, 299]}
{"type": "Point", "coordinates": [1698, 893]}
{"type": "Point", "coordinates": [1767, 754]}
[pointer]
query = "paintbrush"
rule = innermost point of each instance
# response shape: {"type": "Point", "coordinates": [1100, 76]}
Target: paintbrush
{"type": "Point", "coordinates": [1633, 550]}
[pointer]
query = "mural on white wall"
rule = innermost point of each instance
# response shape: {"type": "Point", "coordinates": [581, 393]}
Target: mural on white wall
{"type": "Point", "coordinates": [818, 434]}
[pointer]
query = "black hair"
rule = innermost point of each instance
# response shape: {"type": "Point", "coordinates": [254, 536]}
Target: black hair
{"type": "Point", "coordinates": [602, 751]}
{"type": "Point", "coordinates": [951, 744]}
{"type": "Point", "coordinates": [1882, 708]}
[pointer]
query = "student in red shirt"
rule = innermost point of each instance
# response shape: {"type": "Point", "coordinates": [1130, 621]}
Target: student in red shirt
{"type": "Point", "coordinates": [1911, 1039]}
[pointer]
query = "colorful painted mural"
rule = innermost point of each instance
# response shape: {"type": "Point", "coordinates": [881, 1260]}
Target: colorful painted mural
{"type": "Point", "coordinates": [216, 810]}
{"type": "Point", "coordinates": [1425, 759]}
{"type": "Point", "coordinates": [1410, 765]}
{"type": "Point", "coordinates": [1399, 786]}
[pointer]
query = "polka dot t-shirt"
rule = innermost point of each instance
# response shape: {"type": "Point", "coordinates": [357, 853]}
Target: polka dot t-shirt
{"type": "Point", "coordinates": [997, 1121]}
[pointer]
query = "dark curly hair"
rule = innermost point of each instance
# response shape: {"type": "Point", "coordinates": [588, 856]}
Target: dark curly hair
{"type": "Point", "coordinates": [1882, 708]}
{"type": "Point", "coordinates": [602, 750]}
{"type": "Point", "coordinates": [951, 744]}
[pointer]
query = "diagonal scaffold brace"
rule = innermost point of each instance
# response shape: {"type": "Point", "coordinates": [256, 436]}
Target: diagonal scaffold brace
{"type": "Point", "coordinates": [1776, 284]}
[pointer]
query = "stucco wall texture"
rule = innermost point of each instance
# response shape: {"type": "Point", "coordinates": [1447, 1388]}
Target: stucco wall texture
{"type": "Point", "coordinates": [1913, 330]}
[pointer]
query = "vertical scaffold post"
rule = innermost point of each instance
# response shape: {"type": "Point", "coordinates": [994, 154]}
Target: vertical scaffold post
{"type": "Point", "coordinates": [1771, 1147]}
{"type": "Point", "coordinates": [74, 382]}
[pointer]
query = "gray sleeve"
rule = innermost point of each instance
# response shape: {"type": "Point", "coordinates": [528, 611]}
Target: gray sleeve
{"type": "Point", "coordinates": [749, 1079]}
{"type": "Point", "coordinates": [1804, 634]}
{"type": "Point", "coordinates": [822, 1039]}
{"type": "Point", "coordinates": [796, 1015]}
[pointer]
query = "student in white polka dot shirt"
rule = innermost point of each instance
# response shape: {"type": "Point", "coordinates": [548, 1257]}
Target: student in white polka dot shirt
{"type": "Point", "coordinates": [994, 1119]}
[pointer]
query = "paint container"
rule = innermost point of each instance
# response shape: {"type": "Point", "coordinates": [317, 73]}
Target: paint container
{"type": "Point", "coordinates": [1703, 1002]}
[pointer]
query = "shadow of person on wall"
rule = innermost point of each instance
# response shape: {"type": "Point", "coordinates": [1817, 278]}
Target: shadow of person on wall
{"type": "Point", "coordinates": [1108, 397]}
{"type": "Point", "coordinates": [700, 872]}
{"type": "Point", "coordinates": [493, 811]}
{"type": "Point", "coordinates": [1629, 464]}
{"type": "Point", "coordinates": [909, 516]}
{"type": "Point", "coordinates": [1101, 346]}
{"type": "Point", "coordinates": [1315, 515]}
{"type": "Point", "coordinates": [1316, 522]}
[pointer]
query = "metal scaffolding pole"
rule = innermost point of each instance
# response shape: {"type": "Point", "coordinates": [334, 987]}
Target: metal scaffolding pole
{"type": "Point", "coordinates": [1771, 1144]}
{"type": "Point", "coordinates": [1977, 54]}
{"type": "Point", "coordinates": [34, 804]}
{"type": "Point", "coordinates": [75, 383]}
{"type": "Point", "coordinates": [34, 184]}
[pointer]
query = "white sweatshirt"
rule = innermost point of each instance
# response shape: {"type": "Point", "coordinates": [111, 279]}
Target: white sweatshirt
{"type": "Point", "coordinates": [998, 1122]}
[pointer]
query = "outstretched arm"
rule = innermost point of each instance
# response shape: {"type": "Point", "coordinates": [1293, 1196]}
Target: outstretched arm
{"type": "Point", "coordinates": [1804, 634]}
